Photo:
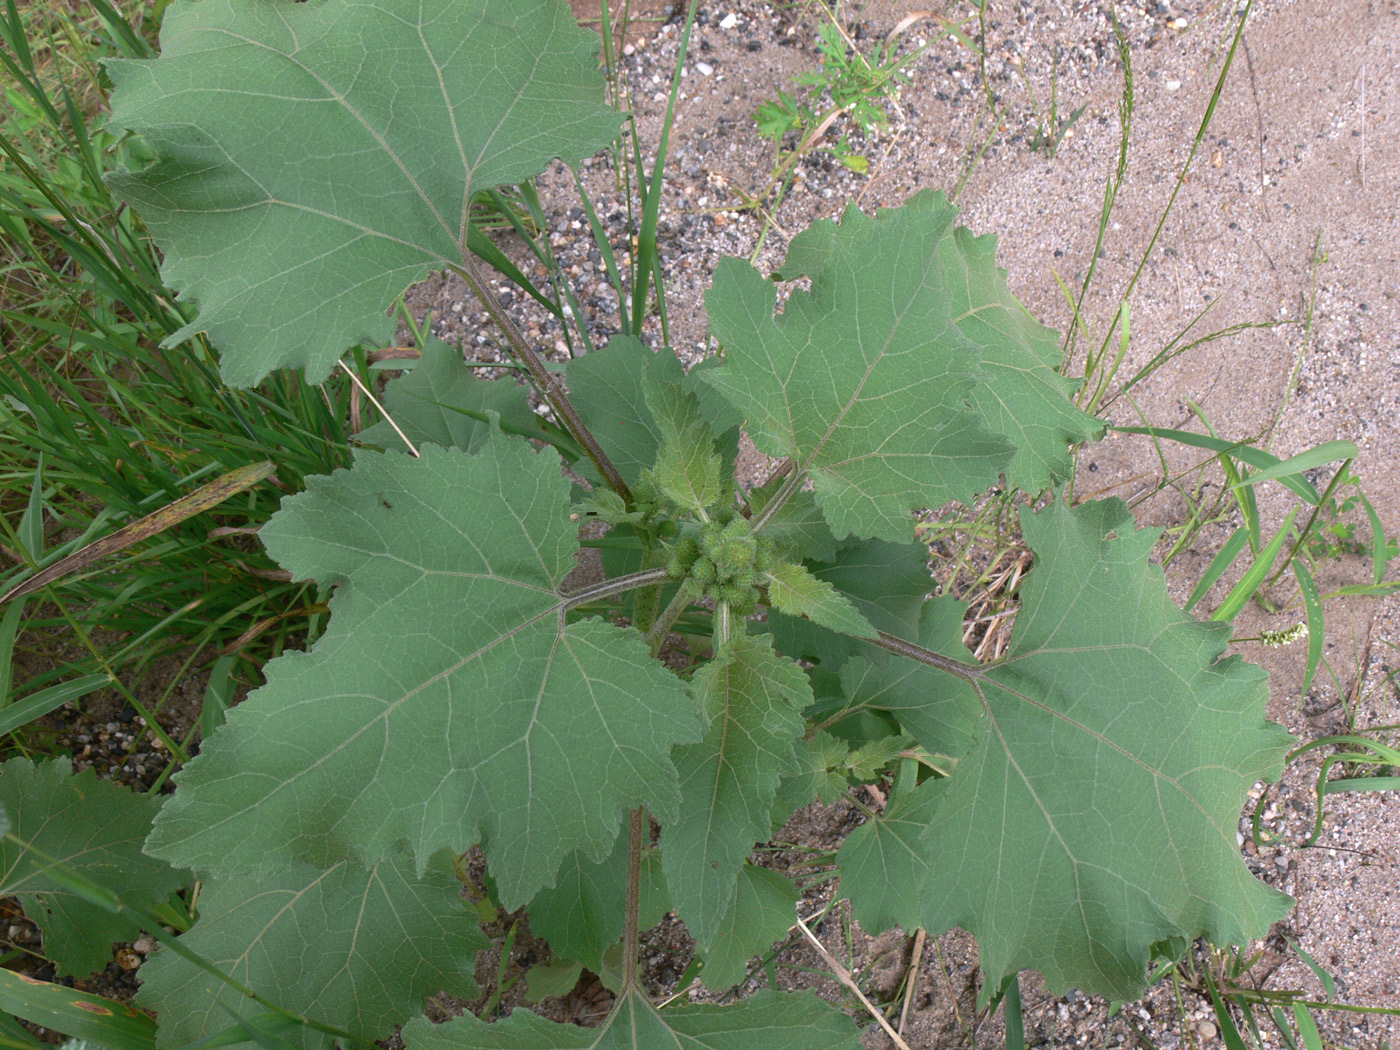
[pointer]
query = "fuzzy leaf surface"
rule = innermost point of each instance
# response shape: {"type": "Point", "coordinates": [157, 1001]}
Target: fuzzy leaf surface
{"type": "Point", "coordinates": [443, 402]}
{"type": "Point", "coordinates": [796, 592]}
{"type": "Point", "coordinates": [1097, 814]}
{"type": "Point", "coordinates": [864, 380]}
{"type": "Point", "coordinates": [687, 466]}
{"type": "Point", "coordinates": [761, 912]}
{"type": "Point", "coordinates": [94, 828]}
{"type": "Point", "coordinates": [887, 583]}
{"type": "Point", "coordinates": [608, 388]}
{"type": "Point", "coordinates": [754, 700]}
{"type": "Point", "coordinates": [883, 862]}
{"type": "Point", "coordinates": [357, 948]}
{"type": "Point", "coordinates": [771, 1020]}
{"type": "Point", "coordinates": [314, 160]}
{"type": "Point", "coordinates": [447, 702]}
{"type": "Point", "coordinates": [941, 712]}
{"type": "Point", "coordinates": [1023, 397]}
{"type": "Point", "coordinates": [583, 913]}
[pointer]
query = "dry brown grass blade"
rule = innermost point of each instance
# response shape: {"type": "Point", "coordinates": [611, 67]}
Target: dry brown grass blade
{"type": "Point", "coordinates": [203, 498]}
{"type": "Point", "coordinates": [844, 976]}
{"type": "Point", "coordinates": [913, 978]}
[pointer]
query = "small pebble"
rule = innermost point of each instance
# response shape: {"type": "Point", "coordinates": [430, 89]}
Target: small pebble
{"type": "Point", "coordinates": [1206, 1030]}
{"type": "Point", "coordinates": [1172, 85]}
{"type": "Point", "coordinates": [705, 68]}
{"type": "Point", "coordinates": [729, 21]}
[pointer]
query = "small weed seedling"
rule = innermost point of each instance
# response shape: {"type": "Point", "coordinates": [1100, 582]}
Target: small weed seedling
{"type": "Point", "coordinates": [1072, 800]}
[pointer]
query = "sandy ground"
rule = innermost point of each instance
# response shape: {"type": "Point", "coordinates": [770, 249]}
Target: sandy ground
{"type": "Point", "coordinates": [1289, 211]}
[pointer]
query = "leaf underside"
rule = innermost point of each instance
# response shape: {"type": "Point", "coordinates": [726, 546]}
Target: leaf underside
{"type": "Point", "coordinates": [441, 402]}
{"type": "Point", "coordinates": [1097, 813]}
{"type": "Point", "coordinates": [259, 112]}
{"type": "Point", "coordinates": [772, 1020]}
{"type": "Point", "coordinates": [754, 699]}
{"type": "Point", "coordinates": [447, 702]}
{"type": "Point", "coordinates": [353, 947]}
{"type": "Point", "coordinates": [891, 382]}
{"type": "Point", "coordinates": [91, 827]}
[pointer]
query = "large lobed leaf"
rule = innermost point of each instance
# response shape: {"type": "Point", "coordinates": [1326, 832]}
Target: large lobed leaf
{"type": "Point", "coordinates": [1097, 813]}
{"type": "Point", "coordinates": [448, 701]}
{"type": "Point", "coordinates": [353, 947]}
{"type": "Point", "coordinates": [93, 828]}
{"type": "Point", "coordinates": [1021, 395]}
{"type": "Point", "coordinates": [313, 160]}
{"type": "Point", "coordinates": [754, 699]}
{"type": "Point", "coordinates": [907, 377]}
{"type": "Point", "coordinates": [771, 1020]}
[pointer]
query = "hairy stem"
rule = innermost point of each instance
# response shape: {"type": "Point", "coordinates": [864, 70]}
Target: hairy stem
{"type": "Point", "coordinates": [791, 486]}
{"type": "Point", "coordinates": [547, 383]}
{"type": "Point", "coordinates": [972, 675]}
{"type": "Point", "coordinates": [656, 637]}
{"type": "Point", "coordinates": [607, 588]}
{"type": "Point", "coordinates": [630, 931]}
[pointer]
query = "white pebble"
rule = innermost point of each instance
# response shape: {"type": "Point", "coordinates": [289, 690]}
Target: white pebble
{"type": "Point", "coordinates": [729, 21]}
{"type": "Point", "coordinates": [705, 68]}
{"type": "Point", "coordinates": [1172, 85]}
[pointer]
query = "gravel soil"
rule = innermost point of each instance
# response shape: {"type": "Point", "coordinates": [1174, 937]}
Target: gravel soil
{"type": "Point", "coordinates": [1284, 233]}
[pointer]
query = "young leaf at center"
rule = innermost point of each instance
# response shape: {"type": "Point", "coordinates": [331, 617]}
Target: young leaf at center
{"type": "Point", "coordinates": [476, 711]}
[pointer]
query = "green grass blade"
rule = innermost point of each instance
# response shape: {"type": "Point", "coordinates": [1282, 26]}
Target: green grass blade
{"type": "Point", "coordinates": [1333, 787]}
{"type": "Point", "coordinates": [1228, 1032]}
{"type": "Point", "coordinates": [76, 1013]}
{"type": "Point", "coordinates": [22, 712]}
{"type": "Point", "coordinates": [1307, 1027]}
{"type": "Point", "coordinates": [1380, 556]}
{"type": "Point", "coordinates": [1312, 602]}
{"type": "Point", "coordinates": [1312, 458]}
{"type": "Point", "coordinates": [1258, 572]}
{"type": "Point", "coordinates": [1015, 1022]}
{"type": "Point", "coordinates": [1218, 565]}
{"type": "Point", "coordinates": [9, 627]}
{"type": "Point", "coordinates": [1328, 984]}
{"type": "Point", "coordinates": [1255, 457]}
{"type": "Point", "coordinates": [31, 525]}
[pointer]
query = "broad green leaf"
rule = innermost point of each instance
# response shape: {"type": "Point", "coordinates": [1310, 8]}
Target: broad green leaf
{"type": "Point", "coordinates": [687, 467]}
{"type": "Point", "coordinates": [314, 160]}
{"type": "Point", "coordinates": [864, 380]}
{"type": "Point", "coordinates": [796, 592]}
{"type": "Point", "coordinates": [583, 913]}
{"type": "Point", "coordinates": [887, 582]}
{"type": "Point", "coordinates": [1022, 395]}
{"type": "Point", "coordinates": [1097, 814]}
{"type": "Point", "coordinates": [761, 912]}
{"type": "Point", "coordinates": [818, 777]}
{"type": "Point", "coordinates": [442, 402]}
{"type": "Point", "coordinates": [607, 387]}
{"type": "Point", "coordinates": [448, 702]}
{"type": "Point", "coordinates": [884, 863]}
{"type": "Point", "coordinates": [94, 828]}
{"type": "Point", "coordinates": [941, 712]}
{"type": "Point", "coordinates": [797, 529]}
{"type": "Point", "coordinates": [767, 1019]}
{"type": "Point", "coordinates": [353, 947]}
{"type": "Point", "coordinates": [754, 700]}
{"type": "Point", "coordinates": [110, 1025]}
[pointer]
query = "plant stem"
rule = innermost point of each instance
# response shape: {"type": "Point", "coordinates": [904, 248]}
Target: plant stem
{"type": "Point", "coordinates": [972, 675]}
{"type": "Point", "coordinates": [607, 588]}
{"type": "Point", "coordinates": [630, 932]}
{"type": "Point", "coordinates": [661, 628]}
{"type": "Point", "coordinates": [548, 385]}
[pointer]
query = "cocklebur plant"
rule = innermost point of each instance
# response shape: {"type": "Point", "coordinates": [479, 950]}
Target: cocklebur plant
{"type": "Point", "coordinates": [1074, 805]}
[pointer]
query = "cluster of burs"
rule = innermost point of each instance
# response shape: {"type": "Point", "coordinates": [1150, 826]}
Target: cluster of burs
{"type": "Point", "coordinates": [726, 562]}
